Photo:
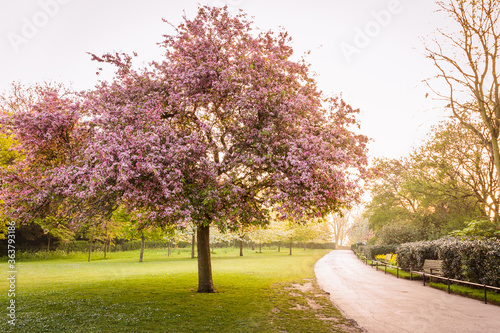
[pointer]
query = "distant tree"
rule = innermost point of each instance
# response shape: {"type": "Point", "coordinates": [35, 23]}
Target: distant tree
{"type": "Point", "coordinates": [341, 223]}
{"type": "Point", "coordinates": [134, 226]}
{"type": "Point", "coordinates": [259, 235]}
{"type": "Point", "coordinates": [57, 229]}
{"type": "Point", "coordinates": [359, 231]}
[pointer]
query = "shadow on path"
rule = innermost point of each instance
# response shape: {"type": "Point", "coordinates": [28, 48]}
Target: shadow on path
{"type": "Point", "coordinates": [382, 303]}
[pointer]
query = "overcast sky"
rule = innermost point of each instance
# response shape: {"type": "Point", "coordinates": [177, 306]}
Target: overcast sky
{"type": "Point", "coordinates": [370, 51]}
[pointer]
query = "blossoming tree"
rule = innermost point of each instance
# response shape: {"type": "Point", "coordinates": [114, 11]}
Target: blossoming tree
{"type": "Point", "coordinates": [223, 131]}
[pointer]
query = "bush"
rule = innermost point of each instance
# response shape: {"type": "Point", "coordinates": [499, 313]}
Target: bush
{"type": "Point", "coordinates": [481, 261]}
{"type": "Point", "coordinates": [449, 253]}
{"type": "Point", "coordinates": [473, 260]}
{"type": "Point", "coordinates": [413, 255]}
{"type": "Point", "coordinates": [370, 251]}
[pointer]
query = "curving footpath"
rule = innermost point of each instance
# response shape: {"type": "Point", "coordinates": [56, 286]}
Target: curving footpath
{"type": "Point", "coordinates": [383, 303]}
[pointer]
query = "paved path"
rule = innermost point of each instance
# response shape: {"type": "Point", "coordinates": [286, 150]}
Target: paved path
{"type": "Point", "coordinates": [383, 303]}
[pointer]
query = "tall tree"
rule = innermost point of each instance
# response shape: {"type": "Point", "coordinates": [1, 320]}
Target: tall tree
{"type": "Point", "coordinates": [467, 60]}
{"type": "Point", "coordinates": [223, 131]}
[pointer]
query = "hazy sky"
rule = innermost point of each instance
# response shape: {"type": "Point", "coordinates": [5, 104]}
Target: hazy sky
{"type": "Point", "coordinates": [370, 51]}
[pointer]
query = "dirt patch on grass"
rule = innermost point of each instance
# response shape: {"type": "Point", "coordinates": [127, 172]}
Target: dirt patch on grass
{"type": "Point", "coordinates": [312, 306]}
{"type": "Point", "coordinates": [306, 287]}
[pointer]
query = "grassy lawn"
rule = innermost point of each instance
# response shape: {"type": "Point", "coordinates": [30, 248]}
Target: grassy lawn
{"type": "Point", "coordinates": [260, 292]}
{"type": "Point", "coordinates": [491, 296]}
{"type": "Point", "coordinates": [393, 271]}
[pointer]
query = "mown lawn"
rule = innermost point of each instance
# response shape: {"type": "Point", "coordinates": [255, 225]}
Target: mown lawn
{"type": "Point", "coordinates": [491, 296]}
{"type": "Point", "coordinates": [259, 292]}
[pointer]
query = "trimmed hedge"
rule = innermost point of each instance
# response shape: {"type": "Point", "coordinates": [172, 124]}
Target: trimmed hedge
{"type": "Point", "coordinates": [473, 260]}
{"type": "Point", "coordinates": [370, 251]}
{"type": "Point", "coordinates": [412, 255]}
{"type": "Point", "coordinates": [83, 246]}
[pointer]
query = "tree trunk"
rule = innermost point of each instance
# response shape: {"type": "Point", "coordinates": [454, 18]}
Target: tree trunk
{"type": "Point", "coordinates": [142, 248]}
{"type": "Point", "coordinates": [205, 283]}
{"type": "Point", "coordinates": [168, 246]}
{"type": "Point", "coordinates": [241, 247]}
{"type": "Point", "coordinates": [260, 247]}
{"type": "Point", "coordinates": [279, 246]}
{"type": "Point", "coordinates": [48, 246]}
{"type": "Point", "coordinates": [91, 241]}
{"type": "Point", "coordinates": [193, 241]}
{"type": "Point", "coordinates": [291, 247]}
{"type": "Point", "coordinates": [305, 244]}
{"type": "Point", "coordinates": [105, 248]}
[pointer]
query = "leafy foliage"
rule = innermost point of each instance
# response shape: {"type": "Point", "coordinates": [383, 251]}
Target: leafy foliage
{"type": "Point", "coordinates": [478, 228]}
{"type": "Point", "coordinates": [447, 181]}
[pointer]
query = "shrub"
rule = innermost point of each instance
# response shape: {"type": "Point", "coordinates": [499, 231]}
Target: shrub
{"type": "Point", "coordinates": [370, 251]}
{"type": "Point", "coordinates": [473, 260]}
{"type": "Point", "coordinates": [449, 253]}
{"type": "Point", "coordinates": [481, 261]}
{"type": "Point", "coordinates": [413, 255]}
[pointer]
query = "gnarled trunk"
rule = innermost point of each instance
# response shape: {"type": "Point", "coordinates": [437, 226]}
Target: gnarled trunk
{"type": "Point", "coordinates": [241, 247]}
{"type": "Point", "coordinates": [205, 283]}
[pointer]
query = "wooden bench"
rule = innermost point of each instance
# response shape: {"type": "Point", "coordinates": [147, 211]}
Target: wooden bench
{"type": "Point", "coordinates": [388, 258]}
{"type": "Point", "coordinates": [383, 262]}
{"type": "Point", "coordinates": [433, 267]}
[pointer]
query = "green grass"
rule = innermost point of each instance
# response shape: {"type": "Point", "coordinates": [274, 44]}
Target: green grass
{"type": "Point", "coordinates": [491, 296]}
{"type": "Point", "coordinates": [260, 292]}
{"type": "Point", "coordinates": [393, 271]}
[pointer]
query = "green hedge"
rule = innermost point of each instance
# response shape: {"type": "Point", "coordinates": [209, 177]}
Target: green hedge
{"type": "Point", "coordinates": [412, 255]}
{"type": "Point", "coordinates": [481, 261]}
{"type": "Point", "coordinates": [370, 251]}
{"type": "Point", "coordinates": [473, 260]}
{"type": "Point", "coordinates": [83, 246]}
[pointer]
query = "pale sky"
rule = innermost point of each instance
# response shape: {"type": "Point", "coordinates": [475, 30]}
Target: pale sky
{"type": "Point", "coordinates": [370, 51]}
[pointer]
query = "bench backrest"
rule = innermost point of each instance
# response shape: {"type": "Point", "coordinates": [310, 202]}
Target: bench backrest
{"type": "Point", "coordinates": [432, 266]}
